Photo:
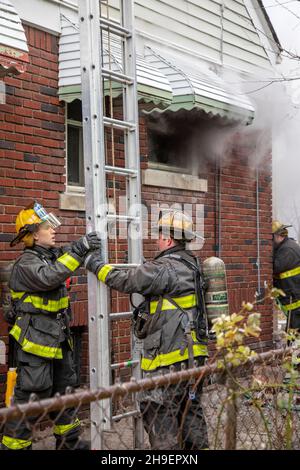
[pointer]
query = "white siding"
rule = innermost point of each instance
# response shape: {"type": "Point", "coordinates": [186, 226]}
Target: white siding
{"type": "Point", "coordinates": [195, 26]}
{"type": "Point", "coordinates": [188, 26]}
{"type": "Point", "coordinates": [11, 30]}
{"type": "Point", "coordinates": [69, 61]}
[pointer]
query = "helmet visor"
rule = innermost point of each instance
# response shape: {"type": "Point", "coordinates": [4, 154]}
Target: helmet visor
{"type": "Point", "coordinates": [52, 220]}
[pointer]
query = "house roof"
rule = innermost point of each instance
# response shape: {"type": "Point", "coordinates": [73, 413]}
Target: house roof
{"type": "Point", "coordinates": [13, 42]}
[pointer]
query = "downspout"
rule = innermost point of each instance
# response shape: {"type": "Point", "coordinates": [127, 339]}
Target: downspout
{"type": "Point", "coordinates": [218, 164]}
{"type": "Point", "coordinates": [259, 293]}
{"type": "Point", "coordinates": [222, 9]}
{"type": "Point", "coordinates": [218, 219]}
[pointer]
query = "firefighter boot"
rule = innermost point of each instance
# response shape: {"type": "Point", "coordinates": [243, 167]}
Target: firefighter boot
{"type": "Point", "coordinates": [62, 443]}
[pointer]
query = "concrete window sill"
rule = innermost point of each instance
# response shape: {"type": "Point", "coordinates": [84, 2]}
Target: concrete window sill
{"type": "Point", "coordinates": [168, 179]}
{"type": "Point", "coordinates": [72, 201]}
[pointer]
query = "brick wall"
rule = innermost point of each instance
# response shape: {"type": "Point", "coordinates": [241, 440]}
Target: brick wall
{"type": "Point", "coordinates": [32, 153]}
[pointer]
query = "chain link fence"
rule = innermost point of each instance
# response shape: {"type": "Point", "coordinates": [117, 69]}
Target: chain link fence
{"type": "Point", "coordinates": [253, 406]}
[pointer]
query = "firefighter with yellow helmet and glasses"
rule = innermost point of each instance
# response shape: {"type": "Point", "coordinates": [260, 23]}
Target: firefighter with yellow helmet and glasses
{"type": "Point", "coordinates": [171, 321]}
{"type": "Point", "coordinates": [41, 311]}
{"type": "Point", "coordinates": [286, 272]}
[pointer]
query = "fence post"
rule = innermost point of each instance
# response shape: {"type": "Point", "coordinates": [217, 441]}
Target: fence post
{"type": "Point", "coordinates": [231, 414]}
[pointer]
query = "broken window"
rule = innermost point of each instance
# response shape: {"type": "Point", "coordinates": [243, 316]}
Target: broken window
{"type": "Point", "coordinates": [186, 140]}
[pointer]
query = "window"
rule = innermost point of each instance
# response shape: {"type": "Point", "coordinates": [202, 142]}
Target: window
{"type": "Point", "coordinates": [75, 166]}
{"type": "Point", "coordinates": [184, 141]}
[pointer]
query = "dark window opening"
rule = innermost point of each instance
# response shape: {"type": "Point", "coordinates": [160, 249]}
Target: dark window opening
{"type": "Point", "coordinates": [75, 164]}
{"type": "Point", "coordinates": [187, 140]}
{"type": "Point", "coordinates": [75, 110]}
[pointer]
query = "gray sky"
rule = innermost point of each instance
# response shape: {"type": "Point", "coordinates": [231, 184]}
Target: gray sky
{"type": "Point", "coordinates": [285, 17]}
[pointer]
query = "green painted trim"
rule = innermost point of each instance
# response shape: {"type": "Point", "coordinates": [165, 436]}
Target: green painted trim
{"type": "Point", "coordinates": [189, 102]}
{"type": "Point", "coordinates": [154, 95]}
{"type": "Point", "coordinates": [167, 101]}
{"type": "Point", "coordinates": [146, 93]}
{"type": "Point", "coordinates": [69, 93]}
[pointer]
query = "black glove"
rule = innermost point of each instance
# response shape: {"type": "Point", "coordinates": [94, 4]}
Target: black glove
{"type": "Point", "coordinates": [94, 261]}
{"type": "Point", "coordinates": [91, 241]}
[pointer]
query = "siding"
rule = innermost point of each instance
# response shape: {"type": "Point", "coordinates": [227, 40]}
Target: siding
{"type": "Point", "coordinates": [11, 30]}
{"type": "Point", "coordinates": [195, 25]}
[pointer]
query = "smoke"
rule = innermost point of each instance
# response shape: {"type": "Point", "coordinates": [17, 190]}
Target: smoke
{"type": "Point", "coordinates": [194, 140]}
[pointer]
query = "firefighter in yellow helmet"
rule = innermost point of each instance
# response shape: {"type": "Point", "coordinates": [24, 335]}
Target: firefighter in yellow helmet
{"type": "Point", "coordinates": [41, 313]}
{"type": "Point", "coordinates": [172, 323]}
{"type": "Point", "coordinates": [286, 272]}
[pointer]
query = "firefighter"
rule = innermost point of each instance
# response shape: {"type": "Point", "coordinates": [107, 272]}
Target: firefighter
{"type": "Point", "coordinates": [286, 272]}
{"type": "Point", "coordinates": [41, 330]}
{"type": "Point", "coordinates": [171, 322]}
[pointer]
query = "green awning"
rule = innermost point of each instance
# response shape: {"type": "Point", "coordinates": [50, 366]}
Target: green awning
{"type": "Point", "coordinates": [203, 89]}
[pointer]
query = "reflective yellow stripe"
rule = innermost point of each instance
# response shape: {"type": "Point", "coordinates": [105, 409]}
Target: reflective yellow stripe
{"type": "Point", "coordinates": [104, 272]}
{"type": "Point", "coordinates": [40, 350]}
{"type": "Point", "coordinates": [15, 444]}
{"type": "Point", "coordinates": [290, 273]}
{"type": "Point", "coordinates": [68, 261]}
{"type": "Point", "coordinates": [64, 428]}
{"type": "Point", "coordinates": [292, 306]}
{"type": "Point", "coordinates": [16, 295]}
{"type": "Point", "coordinates": [15, 332]}
{"type": "Point", "coordinates": [188, 301]}
{"type": "Point", "coordinates": [37, 349]}
{"type": "Point", "coordinates": [51, 306]}
{"type": "Point", "coordinates": [38, 302]}
{"type": "Point", "coordinates": [172, 357]}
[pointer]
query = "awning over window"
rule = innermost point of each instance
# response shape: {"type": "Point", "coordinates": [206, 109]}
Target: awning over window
{"type": "Point", "coordinates": [161, 80]}
{"type": "Point", "coordinates": [152, 85]}
{"type": "Point", "coordinates": [13, 43]}
{"type": "Point", "coordinates": [203, 89]}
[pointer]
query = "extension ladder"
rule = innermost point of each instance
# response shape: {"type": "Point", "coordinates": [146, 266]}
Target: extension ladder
{"type": "Point", "coordinates": [93, 72]}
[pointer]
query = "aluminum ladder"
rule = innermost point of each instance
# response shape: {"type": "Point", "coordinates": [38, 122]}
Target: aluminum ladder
{"type": "Point", "coordinates": [92, 25]}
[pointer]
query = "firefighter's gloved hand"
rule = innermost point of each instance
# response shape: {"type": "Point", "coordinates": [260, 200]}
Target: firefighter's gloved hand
{"type": "Point", "coordinates": [89, 242]}
{"type": "Point", "coordinates": [94, 261]}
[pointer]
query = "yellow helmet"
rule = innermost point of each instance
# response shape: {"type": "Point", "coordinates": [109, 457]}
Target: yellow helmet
{"type": "Point", "coordinates": [279, 228]}
{"type": "Point", "coordinates": [176, 224]}
{"type": "Point", "coordinates": [27, 223]}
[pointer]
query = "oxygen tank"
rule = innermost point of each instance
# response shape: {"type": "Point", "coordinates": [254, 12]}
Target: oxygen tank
{"type": "Point", "coordinates": [216, 298]}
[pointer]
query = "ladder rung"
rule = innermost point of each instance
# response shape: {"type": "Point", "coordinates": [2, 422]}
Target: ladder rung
{"type": "Point", "coordinates": [120, 315]}
{"type": "Point", "coordinates": [121, 365]}
{"type": "Point", "coordinates": [124, 218]}
{"type": "Point", "coordinates": [118, 124]}
{"type": "Point", "coordinates": [120, 171]}
{"type": "Point", "coordinates": [126, 415]}
{"type": "Point", "coordinates": [115, 28]}
{"type": "Point", "coordinates": [117, 76]}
